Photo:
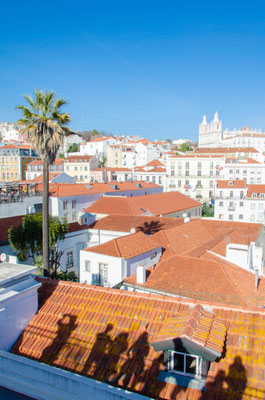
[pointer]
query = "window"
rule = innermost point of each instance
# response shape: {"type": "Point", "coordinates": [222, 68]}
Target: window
{"type": "Point", "coordinates": [103, 274]}
{"type": "Point", "coordinates": [147, 178]}
{"type": "Point", "coordinates": [187, 164]}
{"type": "Point", "coordinates": [231, 194]}
{"type": "Point", "coordinates": [81, 168]}
{"type": "Point", "coordinates": [252, 181]}
{"type": "Point", "coordinates": [237, 171]}
{"type": "Point", "coordinates": [187, 173]}
{"type": "Point", "coordinates": [81, 178]}
{"type": "Point", "coordinates": [211, 183]}
{"type": "Point", "coordinates": [221, 203]}
{"type": "Point", "coordinates": [230, 217]}
{"type": "Point", "coordinates": [73, 203]}
{"type": "Point", "coordinates": [241, 204]}
{"type": "Point", "coordinates": [187, 182]}
{"type": "Point", "coordinates": [160, 180]}
{"type": "Point", "coordinates": [244, 172]}
{"type": "Point", "coordinates": [211, 173]}
{"type": "Point", "coordinates": [65, 204]}
{"type": "Point", "coordinates": [74, 216]}
{"type": "Point", "coordinates": [69, 259]}
{"type": "Point", "coordinates": [179, 183]}
{"type": "Point", "coordinates": [87, 266]}
{"type": "Point", "coordinates": [240, 216]}
{"type": "Point", "coordinates": [172, 172]}
{"type": "Point", "coordinates": [253, 206]}
{"type": "Point", "coordinates": [75, 168]}
{"type": "Point", "coordinates": [221, 216]}
{"type": "Point", "coordinates": [153, 179]}
{"type": "Point", "coordinates": [211, 165]}
{"type": "Point", "coordinates": [254, 195]}
{"type": "Point", "coordinates": [185, 364]}
{"type": "Point", "coordinates": [199, 164]}
{"type": "Point", "coordinates": [252, 218]}
{"type": "Point", "coordinates": [199, 173]}
{"type": "Point", "coordinates": [230, 171]}
{"type": "Point", "coordinates": [260, 206]}
{"type": "Point", "coordinates": [231, 204]}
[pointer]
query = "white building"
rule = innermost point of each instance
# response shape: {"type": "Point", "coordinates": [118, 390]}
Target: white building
{"type": "Point", "coordinates": [35, 168]}
{"type": "Point", "coordinates": [212, 135]}
{"type": "Point", "coordinates": [155, 171]}
{"type": "Point", "coordinates": [108, 264]}
{"type": "Point", "coordinates": [194, 175]}
{"type": "Point", "coordinates": [237, 201]}
{"type": "Point", "coordinates": [249, 169]}
{"type": "Point", "coordinates": [97, 147]}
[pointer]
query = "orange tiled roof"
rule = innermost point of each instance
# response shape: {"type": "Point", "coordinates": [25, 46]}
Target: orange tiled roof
{"type": "Point", "coordinates": [155, 163]}
{"type": "Point", "coordinates": [73, 189]}
{"type": "Point", "coordinates": [100, 139]}
{"type": "Point", "coordinates": [199, 326]}
{"type": "Point", "coordinates": [57, 161]}
{"type": "Point", "coordinates": [17, 146]}
{"type": "Point", "coordinates": [73, 159]}
{"type": "Point", "coordinates": [126, 246]}
{"type": "Point", "coordinates": [124, 223]}
{"type": "Point", "coordinates": [255, 189]}
{"type": "Point", "coordinates": [231, 184]}
{"type": "Point", "coordinates": [105, 334]}
{"type": "Point", "coordinates": [157, 204]}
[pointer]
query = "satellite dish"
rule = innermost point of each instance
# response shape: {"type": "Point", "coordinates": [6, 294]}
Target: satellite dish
{"type": "Point", "coordinates": [3, 257]}
{"type": "Point", "coordinates": [133, 230]}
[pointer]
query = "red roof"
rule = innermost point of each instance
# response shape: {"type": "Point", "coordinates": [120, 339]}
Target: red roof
{"type": "Point", "coordinates": [258, 189]}
{"type": "Point", "coordinates": [155, 163]}
{"type": "Point", "coordinates": [73, 159]}
{"type": "Point", "coordinates": [100, 139]}
{"type": "Point", "coordinates": [17, 146]}
{"type": "Point", "coordinates": [57, 161]}
{"type": "Point", "coordinates": [125, 223]}
{"type": "Point", "coordinates": [156, 204]}
{"type": "Point", "coordinates": [231, 184]}
{"type": "Point", "coordinates": [73, 189]}
{"type": "Point", "coordinates": [126, 246]}
{"type": "Point", "coordinates": [226, 150]}
{"type": "Point", "coordinates": [107, 335]}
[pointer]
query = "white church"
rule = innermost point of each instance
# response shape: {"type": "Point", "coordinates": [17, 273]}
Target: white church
{"type": "Point", "coordinates": [212, 135]}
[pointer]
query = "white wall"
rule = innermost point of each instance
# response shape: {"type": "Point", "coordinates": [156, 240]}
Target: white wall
{"type": "Point", "coordinates": [44, 382]}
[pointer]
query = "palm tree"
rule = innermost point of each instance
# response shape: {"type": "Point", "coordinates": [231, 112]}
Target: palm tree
{"type": "Point", "coordinates": [44, 126]}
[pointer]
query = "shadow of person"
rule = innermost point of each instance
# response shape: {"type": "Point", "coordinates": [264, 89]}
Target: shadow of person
{"type": "Point", "coordinates": [134, 366]}
{"type": "Point", "coordinates": [66, 325]}
{"type": "Point", "coordinates": [230, 386]}
{"type": "Point", "coordinates": [99, 350]}
{"type": "Point", "coordinates": [236, 379]}
{"type": "Point", "coordinates": [119, 346]}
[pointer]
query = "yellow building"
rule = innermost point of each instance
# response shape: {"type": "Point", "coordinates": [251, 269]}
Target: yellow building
{"type": "Point", "coordinates": [14, 160]}
{"type": "Point", "coordinates": [114, 156]}
{"type": "Point", "coordinates": [79, 167]}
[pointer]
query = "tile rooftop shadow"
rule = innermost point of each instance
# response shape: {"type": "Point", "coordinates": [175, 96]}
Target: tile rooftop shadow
{"type": "Point", "coordinates": [66, 325]}
{"type": "Point", "coordinates": [230, 386]}
{"type": "Point", "coordinates": [149, 228]}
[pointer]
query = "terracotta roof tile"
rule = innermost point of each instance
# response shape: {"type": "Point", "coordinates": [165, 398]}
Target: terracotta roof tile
{"type": "Point", "coordinates": [231, 184]}
{"type": "Point", "coordinates": [258, 189]}
{"type": "Point", "coordinates": [127, 246]}
{"type": "Point", "coordinates": [155, 163]}
{"type": "Point", "coordinates": [101, 338]}
{"type": "Point", "coordinates": [125, 223]}
{"type": "Point", "coordinates": [156, 204]}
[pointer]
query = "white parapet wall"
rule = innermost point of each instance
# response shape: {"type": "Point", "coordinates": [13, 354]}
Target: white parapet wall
{"type": "Point", "coordinates": [43, 382]}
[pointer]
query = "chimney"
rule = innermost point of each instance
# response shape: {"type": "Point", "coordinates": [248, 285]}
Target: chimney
{"type": "Point", "coordinates": [256, 278]}
{"type": "Point", "coordinates": [140, 274]}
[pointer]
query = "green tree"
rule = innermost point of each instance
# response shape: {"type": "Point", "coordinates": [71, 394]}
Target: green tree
{"type": "Point", "coordinates": [185, 147]}
{"type": "Point", "coordinates": [73, 148]}
{"type": "Point", "coordinates": [44, 126]}
{"type": "Point", "coordinates": [26, 239]}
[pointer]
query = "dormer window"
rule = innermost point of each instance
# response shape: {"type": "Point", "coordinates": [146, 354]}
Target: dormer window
{"type": "Point", "coordinates": [185, 364]}
{"type": "Point", "coordinates": [230, 183]}
{"type": "Point", "coordinates": [254, 194]}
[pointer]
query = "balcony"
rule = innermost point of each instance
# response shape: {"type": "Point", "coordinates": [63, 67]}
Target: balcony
{"type": "Point", "coordinates": [172, 186]}
{"type": "Point", "coordinates": [231, 208]}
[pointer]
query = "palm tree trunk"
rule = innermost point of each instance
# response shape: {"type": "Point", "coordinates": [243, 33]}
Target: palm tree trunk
{"type": "Point", "coordinates": [45, 219]}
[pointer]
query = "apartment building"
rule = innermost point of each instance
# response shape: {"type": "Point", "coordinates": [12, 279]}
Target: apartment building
{"type": "Point", "coordinates": [194, 175]}
{"type": "Point", "coordinates": [79, 167]}
{"type": "Point", "coordinates": [251, 170]}
{"type": "Point", "coordinates": [238, 201]}
{"type": "Point", "coordinates": [155, 171]}
{"type": "Point", "coordinates": [14, 159]}
{"type": "Point", "coordinates": [97, 147]}
{"type": "Point", "coordinates": [35, 168]}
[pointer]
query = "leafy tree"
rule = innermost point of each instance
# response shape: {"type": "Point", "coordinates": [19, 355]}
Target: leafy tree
{"type": "Point", "coordinates": [44, 125]}
{"type": "Point", "coordinates": [74, 148]}
{"type": "Point", "coordinates": [185, 147]}
{"type": "Point", "coordinates": [207, 211]}
{"type": "Point", "coordinates": [103, 161]}
{"type": "Point", "coordinates": [26, 239]}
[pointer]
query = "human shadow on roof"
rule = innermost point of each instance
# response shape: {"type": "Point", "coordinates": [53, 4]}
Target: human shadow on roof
{"type": "Point", "coordinates": [230, 386]}
{"type": "Point", "coordinates": [66, 325]}
{"type": "Point", "coordinates": [149, 228]}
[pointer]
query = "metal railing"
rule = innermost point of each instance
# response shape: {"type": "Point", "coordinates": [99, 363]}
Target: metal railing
{"type": "Point", "coordinates": [13, 198]}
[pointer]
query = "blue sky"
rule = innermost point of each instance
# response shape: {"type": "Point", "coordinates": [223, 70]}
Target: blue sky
{"type": "Point", "coordinates": [151, 68]}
